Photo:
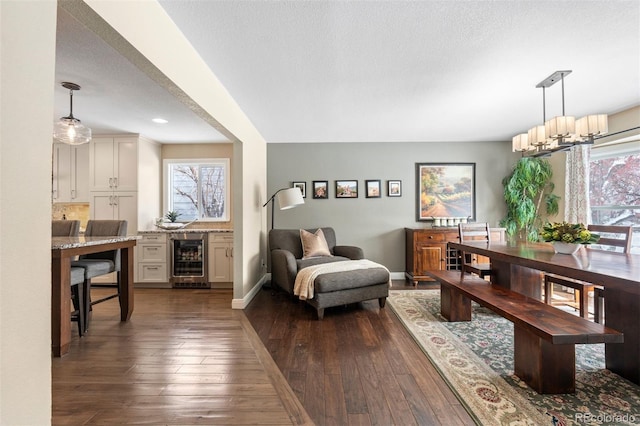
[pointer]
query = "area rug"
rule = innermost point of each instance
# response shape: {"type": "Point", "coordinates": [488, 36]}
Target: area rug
{"type": "Point", "coordinates": [476, 359]}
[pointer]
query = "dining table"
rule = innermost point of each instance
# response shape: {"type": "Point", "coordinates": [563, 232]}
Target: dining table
{"type": "Point", "coordinates": [519, 266]}
{"type": "Point", "coordinates": [63, 250]}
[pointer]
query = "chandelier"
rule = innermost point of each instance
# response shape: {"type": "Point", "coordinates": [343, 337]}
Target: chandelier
{"type": "Point", "coordinates": [69, 129]}
{"type": "Point", "coordinates": [559, 133]}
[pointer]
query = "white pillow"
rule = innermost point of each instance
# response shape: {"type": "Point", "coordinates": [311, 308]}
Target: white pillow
{"type": "Point", "coordinates": [314, 245]}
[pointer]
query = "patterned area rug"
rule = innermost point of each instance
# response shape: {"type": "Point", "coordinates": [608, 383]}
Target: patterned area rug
{"type": "Point", "coordinates": [476, 360]}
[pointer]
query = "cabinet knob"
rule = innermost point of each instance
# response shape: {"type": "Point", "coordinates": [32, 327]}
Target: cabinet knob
{"type": "Point", "coordinates": [431, 237]}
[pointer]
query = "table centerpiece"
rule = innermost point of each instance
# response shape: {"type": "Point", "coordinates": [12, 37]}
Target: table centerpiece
{"type": "Point", "coordinates": [567, 237]}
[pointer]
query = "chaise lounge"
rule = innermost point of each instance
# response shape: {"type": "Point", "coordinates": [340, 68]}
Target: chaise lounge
{"type": "Point", "coordinates": [363, 280]}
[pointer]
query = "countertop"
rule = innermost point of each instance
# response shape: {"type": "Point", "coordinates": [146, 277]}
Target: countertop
{"type": "Point", "coordinates": [183, 230]}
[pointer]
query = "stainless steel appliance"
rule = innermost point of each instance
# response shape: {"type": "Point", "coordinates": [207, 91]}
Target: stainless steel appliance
{"type": "Point", "coordinates": [188, 256]}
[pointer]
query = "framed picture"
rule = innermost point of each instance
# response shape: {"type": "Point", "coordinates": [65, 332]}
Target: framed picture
{"type": "Point", "coordinates": [394, 188]}
{"type": "Point", "coordinates": [373, 188]}
{"type": "Point", "coordinates": [346, 189]}
{"type": "Point", "coordinates": [302, 186]}
{"type": "Point", "coordinates": [445, 190]}
{"type": "Point", "coordinates": [320, 189]}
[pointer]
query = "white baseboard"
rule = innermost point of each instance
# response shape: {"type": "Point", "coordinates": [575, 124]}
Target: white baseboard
{"type": "Point", "coordinates": [244, 302]}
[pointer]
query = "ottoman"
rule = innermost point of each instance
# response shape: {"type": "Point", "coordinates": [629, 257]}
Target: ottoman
{"type": "Point", "coordinates": [342, 288]}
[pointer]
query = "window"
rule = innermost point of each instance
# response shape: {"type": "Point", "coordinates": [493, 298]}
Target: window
{"type": "Point", "coordinates": [614, 187]}
{"type": "Point", "coordinates": [197, 189]}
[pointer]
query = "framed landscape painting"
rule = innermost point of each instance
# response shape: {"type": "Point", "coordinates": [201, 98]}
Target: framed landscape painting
{"type": "Point", "coordinates": [445, 190]}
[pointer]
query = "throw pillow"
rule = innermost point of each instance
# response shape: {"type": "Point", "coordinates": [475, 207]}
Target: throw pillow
{"type": "Point", "coordinates": [314, 245]}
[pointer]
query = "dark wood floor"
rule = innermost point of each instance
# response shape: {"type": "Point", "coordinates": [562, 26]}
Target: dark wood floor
{"type": "Point", "coordinates": [187, 358]}
{"type": "Point", "coordinates": [358, 366]}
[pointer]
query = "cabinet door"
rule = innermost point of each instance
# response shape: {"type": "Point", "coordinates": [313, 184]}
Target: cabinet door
{"type": "Point", "coordinates": [102, 206]}
{"type": "Point", "coordinates": [61, 189]}
{"type": "Point", "coordinates": [80, 173]}
{"type": "Point", "coordinates": [125, 164]}
{"type": "Point", "coordinates": [219, 262]}
{"type": "Point", "coordinates": [101, 164]}
{"type": "Point", "coordinates": [429, 257]}
{"type": "Point", "coordinates": [126, 208]}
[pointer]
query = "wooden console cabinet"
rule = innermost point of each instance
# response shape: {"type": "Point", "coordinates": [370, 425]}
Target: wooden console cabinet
{"type": "Point", "coordinates": [426, 249]}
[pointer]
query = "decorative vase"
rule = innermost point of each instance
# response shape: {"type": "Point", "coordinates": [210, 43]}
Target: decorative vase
{"type": "Point", "coordinates": [565, 248]}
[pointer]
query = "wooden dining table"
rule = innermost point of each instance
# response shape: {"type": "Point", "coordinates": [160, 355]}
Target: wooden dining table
{"type": "Point", "coordinates": [518, 266]}
{"type": "Point", "coordinates": [63, 249]}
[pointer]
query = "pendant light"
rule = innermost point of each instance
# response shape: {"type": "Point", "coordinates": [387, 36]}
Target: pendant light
{"type": "Point", "coordinates": [69, 129]}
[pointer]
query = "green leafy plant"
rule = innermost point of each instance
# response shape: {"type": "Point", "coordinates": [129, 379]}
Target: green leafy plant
{"type": "Point", "coordinates": [172, 216]}
{"type": "Point", "coordinates": [568, 233]}
{"type": "Point", "coordinates": [528, 192]}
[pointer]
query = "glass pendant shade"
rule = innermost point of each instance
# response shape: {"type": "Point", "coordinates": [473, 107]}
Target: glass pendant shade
{"type": "Point", "coordinates": [71, 131]}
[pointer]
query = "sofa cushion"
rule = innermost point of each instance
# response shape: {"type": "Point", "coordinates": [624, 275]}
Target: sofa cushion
{"type": "Point", "coordinates": [314, 245]}
{"type": "Point", "coordinates": [339, 281]}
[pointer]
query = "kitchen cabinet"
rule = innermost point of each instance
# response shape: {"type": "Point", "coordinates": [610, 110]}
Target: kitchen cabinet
{"type": "Point", "coordinates": [220, 257]}
{"type": "Point", "coordinates": [114, 164]}
{"type": "Point", "coordinates": [70, 183]}
{"type": "Point", "coordinates": [426, 249]}
{"type": "Point", "coordinates": [116, 206]}
{"type": "Point", "coordinates": [151, 258]}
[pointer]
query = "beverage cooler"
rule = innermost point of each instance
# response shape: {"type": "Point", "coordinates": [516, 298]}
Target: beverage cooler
{"type": "Point", "coordinates": [188, 254]}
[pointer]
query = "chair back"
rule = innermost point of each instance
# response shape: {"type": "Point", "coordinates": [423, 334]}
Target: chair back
{"type": "Point", "coordinates": [476, 231]}
{"type": "Point", "coordinates": [289, 239]}
{"type": "Point", "coordinates": [65, 228]}
{"type": "Point", "coordinates": [106, 228]}
{"type": "Point", "coordinates": [612, 236]}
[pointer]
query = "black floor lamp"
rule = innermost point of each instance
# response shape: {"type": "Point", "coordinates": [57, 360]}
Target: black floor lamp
{"type": "Point", "coordinates": [288, 198]}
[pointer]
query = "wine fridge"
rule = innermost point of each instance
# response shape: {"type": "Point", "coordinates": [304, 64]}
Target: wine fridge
{"type": "Point", "coordinates": [188, 254]}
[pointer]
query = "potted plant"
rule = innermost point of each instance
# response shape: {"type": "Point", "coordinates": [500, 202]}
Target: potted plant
{"type": "Point", "coordinates": [172, 216]}
{"type": "Point", "coordinates": [567, 237]}
{"type": "Point", "coordinates": [528, 192]}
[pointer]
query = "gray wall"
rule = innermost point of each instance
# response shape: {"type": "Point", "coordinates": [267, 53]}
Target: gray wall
{"type": "Point", "coordinates": [377, 224]}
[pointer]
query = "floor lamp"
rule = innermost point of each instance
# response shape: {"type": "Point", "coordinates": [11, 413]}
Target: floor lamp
{"type": "Point", "coordinates": [288, 198]}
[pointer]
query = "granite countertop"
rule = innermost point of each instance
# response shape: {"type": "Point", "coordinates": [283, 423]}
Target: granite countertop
{"type": "Point", "coordinates": [74, 242]}
{"type": "Point", "coordinates": [181, 230]}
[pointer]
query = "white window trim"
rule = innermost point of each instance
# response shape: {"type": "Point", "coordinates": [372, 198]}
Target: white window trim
{"type": "Point", "coordinates": [165, 186]}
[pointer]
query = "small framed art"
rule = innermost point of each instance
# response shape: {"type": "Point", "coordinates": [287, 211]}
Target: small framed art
{"type": "Point", "coordinates": [394, 188]}
{"type": "Point", "coordinates": [373, 188]}
{"type": "Point", "coordinates": [346, 189]}
{"type": "Point", "coordinates": [302, 186]}
{"type": "Point", "coordinates": [320, 189]}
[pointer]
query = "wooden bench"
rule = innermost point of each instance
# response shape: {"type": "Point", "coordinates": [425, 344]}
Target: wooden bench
{"type": "Point", "coordinates": [544, 336]}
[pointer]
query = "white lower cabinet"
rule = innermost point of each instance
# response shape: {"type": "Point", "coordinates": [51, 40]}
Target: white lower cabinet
{"type": "Point", "coordinates": [220, 257]}
{"type": "Point", "coordinates": [151, 256]}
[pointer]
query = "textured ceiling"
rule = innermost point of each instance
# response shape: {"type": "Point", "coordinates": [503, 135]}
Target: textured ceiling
{"type": "Point", "coordinates": [368, 71]}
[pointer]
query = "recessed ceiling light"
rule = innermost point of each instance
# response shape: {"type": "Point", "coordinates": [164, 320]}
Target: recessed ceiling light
{"type": "Point", "coordinates": [159, 120]}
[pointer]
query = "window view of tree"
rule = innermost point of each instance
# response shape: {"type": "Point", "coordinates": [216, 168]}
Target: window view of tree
{"type": "Point", "coordinates": [614, 192]}
{"type": "Point", "coordinates": [198, 191]}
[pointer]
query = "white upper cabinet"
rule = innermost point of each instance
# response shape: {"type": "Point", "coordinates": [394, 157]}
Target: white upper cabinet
{"type": "Point", "coordinates": [70, 173]}
{"type": "Point", "coordinates": [114, 164]}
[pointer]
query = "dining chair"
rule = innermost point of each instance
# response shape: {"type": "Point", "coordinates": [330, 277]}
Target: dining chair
{"type": "Point", "coordinates": [612, 237]}
{"type": "Point", "coordinates": [97, 264]}
{"type": "Point", "coordinates": [474, 231]}
{"type": "Point", "coordinates": [71, 228]}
